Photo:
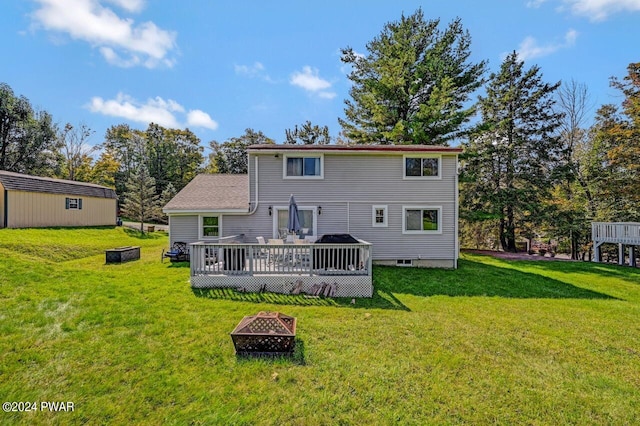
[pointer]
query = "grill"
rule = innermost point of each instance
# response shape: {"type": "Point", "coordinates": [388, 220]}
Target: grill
{"type": "Point", "coordinates": [336, 258]}
{"type": "Point", "coordinates": [266, 333]}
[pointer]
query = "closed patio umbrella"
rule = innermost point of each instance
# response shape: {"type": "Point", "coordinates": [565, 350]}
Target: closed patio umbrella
{"type": "Point", "coordinates": [293, 223]}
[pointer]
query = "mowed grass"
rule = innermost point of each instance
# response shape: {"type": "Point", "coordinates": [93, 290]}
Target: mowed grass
{"type": "Point", "coordinates": [495, 341]}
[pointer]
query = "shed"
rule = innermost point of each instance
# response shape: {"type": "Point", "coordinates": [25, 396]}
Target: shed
{"type": "Point", "coordinates": [33, 201]}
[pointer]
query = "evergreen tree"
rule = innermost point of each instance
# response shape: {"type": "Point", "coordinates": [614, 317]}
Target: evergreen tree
{"type": "Point", "coordinates": [167, 194]}
{"type": "Point", "coordinates": [231, 156]}
{"type": "Point", "coordinates": [140, 201]}
{"type": "Point", "coordinates": [513, 155]}
{"type": "Point", "coordinates": [308, 134]}
{"type": "Point", "coordinates": [413, 85]}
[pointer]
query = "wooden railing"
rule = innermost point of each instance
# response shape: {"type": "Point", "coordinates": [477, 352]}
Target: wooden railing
{"type": "Point", "coordinates": [280, 259]}
{"type": "Point", "coordinates": [616, 232]}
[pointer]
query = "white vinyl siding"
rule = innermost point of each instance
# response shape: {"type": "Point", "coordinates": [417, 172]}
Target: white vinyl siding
{"type": "Point", "coordinates": [352, 185]}
{"type": "Point", "coordinates": [183, 229]}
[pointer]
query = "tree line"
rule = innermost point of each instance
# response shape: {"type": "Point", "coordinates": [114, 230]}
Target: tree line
{"type": "Point", "coordinates": [532, 167]}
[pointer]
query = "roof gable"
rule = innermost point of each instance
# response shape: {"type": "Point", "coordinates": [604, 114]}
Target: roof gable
{"type": "Point", "coordinates": [212, 192]}
{"type": "Point", "coordinates": [21, 182]}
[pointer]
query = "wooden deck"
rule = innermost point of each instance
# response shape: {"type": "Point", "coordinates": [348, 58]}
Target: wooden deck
{"type": "Point", "coordinates": [620, 233]}
{"type": "Point", "coordinates": [283, 268]}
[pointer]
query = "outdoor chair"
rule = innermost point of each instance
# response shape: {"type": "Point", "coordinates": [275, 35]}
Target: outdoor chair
{"type": "Point", "coordinates": [264, 252]}
{"type": "Point", "coordinates": [179, 252]}
{"type": "Point", "coordinates": [276, 254]}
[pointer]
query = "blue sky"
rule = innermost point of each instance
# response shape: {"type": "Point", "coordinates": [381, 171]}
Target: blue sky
{"type": "Point", "coordinates": [219, 67]}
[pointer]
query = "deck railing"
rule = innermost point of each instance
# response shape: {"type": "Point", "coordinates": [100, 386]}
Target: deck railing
{"type": "Point", "coordinates": [240, 259]}
{"type": "Point", "coordinates": [616, 232]}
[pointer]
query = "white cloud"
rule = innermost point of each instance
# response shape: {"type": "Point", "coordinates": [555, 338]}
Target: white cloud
{"type": "Point", "coordinates": [249, 70]}
{"type": "Point", "coordinates": [327, 95]}
{"type": "Point", "coordinates": [595, 10]}
{"type": "Point", "coordinates": [198, 118]}
{"type": "Point", "coordinates": [530, 49]}
{"type": "Point", "coordinates": [598, 10]}
{"type": "Point", "coordinates": [535, 3]}
{"type": "Point", "coordinates": [256, 70]}
{"type": "Point", "coordinates": [310, 81]}
{"type": "Point", "coordinates": [121, 41]}
{"type": "Point", "coordinates": [130, 5]}
{"type": "Point", "coordinates": [154, 110]}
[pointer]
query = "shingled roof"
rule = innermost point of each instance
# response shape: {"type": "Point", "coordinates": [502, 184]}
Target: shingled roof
{"type": "Point", "coordinates": [20, 182]}
{"type": "Point", "coordinates": [212, 192]}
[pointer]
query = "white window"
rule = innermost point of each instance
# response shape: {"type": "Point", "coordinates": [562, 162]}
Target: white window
{"type": "Point", "coordinates": [307, 216]}
{"type": "Point", "coordinates": [303, 167]}
{"type": "Point", "coordinates": [379, 216]}
{"type": "Point", "coordinates": [73, 203]}
{"type": "Point", "coordinates": [421, 220]}
{"type": "Point", "coordinates": [209, 227]}
{"type": "Point", "coordinates": [421, 167]}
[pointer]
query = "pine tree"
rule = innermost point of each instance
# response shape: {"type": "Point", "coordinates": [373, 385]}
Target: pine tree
{"type": "Point", "coordinates": [308, 134]}
{"type": "Point", "coordinates": [167, 194]}
{"type": "Point", "coordinates": [140, 200]}
{"type": "Point", "coordinates": [513, 155]}
{"type": "Point", "coordinates": [414, 84]}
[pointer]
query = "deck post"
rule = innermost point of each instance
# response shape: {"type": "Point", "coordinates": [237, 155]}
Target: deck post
{"type": "Point", "coordinates": [620, 254]}
{"type": "Point", "coordinates": [632, 256]}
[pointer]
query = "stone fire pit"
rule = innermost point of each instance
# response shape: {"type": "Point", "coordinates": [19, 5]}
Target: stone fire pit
{"type": "Point", "coordinates": [267, 333]}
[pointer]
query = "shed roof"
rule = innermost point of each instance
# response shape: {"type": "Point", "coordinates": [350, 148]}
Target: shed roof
{"type": "Point", "coordinates": [212, 192]}
{"type": "Point", "coordinates": [21, 182]}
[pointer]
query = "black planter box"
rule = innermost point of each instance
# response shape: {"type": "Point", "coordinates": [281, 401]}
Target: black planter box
{"type": "Point", "coordinates": [123, 254]}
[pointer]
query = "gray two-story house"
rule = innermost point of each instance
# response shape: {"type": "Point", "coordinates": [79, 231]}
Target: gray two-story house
{"type": "Point", "coordinates": [402, 201]}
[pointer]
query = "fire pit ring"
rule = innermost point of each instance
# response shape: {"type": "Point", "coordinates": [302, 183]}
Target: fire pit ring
{"type": "Point", "coordinates": [265, 334]}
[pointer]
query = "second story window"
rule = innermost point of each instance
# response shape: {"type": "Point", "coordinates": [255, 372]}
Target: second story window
{"type": "Point", "coordinates": [422, 167]}
{"type": "Point", "coordinates": [303, 167]}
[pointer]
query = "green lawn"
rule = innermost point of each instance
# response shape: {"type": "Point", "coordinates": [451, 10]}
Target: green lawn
{"type": "Point", "coordinates": [492, 342]}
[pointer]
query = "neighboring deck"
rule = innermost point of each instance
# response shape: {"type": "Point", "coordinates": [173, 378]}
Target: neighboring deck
{"type": "Point", "coordinates": [285, 268]}
{"type": "Point", "coordinates": [621, 233]}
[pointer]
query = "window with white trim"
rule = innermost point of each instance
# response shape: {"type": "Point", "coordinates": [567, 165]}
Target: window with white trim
{"type": "Point", "coordinates": [73, 203]}
{"type": "Point", "coordinates": [422, 167]}
{"type": "Point", "coordinates": [421, 220]}
{"type": "Point", "coordinates": [379, 216]}
{"type": "Point", "coordinates": [306, 214]}
{"type": "Point", "coordinates": [210, 226]}
{"type": "Point", "coordinates": [303, 167]}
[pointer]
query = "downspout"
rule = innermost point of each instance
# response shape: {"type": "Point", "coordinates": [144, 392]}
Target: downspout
{"type": "Point", "coordinates": [255, 207]}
